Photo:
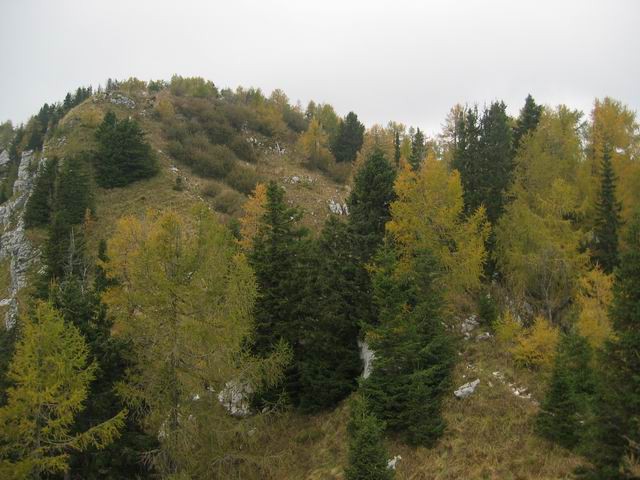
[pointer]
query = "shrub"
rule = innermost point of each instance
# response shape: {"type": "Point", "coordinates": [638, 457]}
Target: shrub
{"type": "Point", "coordinates": [487, 309]}
{"type": "Point", "coordinates": [536, 347]}
{"type": "Point", "coordinates": [243, 179]}
{"type": "Point", "coordinates": [211, 189]}
{"type": "Point", "coordinates": [179, 185]}
{"type": "Point", "coordinates": [507, 328]}
{"type": "Point", "coordinates": [242, 148]}
{"type": "Point", "coordinates": [192, 86]}
{"type": "Point", "coordinates": [228, 201]}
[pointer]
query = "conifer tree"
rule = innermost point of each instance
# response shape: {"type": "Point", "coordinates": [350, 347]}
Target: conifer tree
{"type": "Point", "coordinates": [367, 453]}
{"type": "Point", "coordinates": [418, 150]}
{"type": "Point", "coordinates": [369, 211]}
{"type": "Point", "coordinates": [78, 301]}
{"type": "Point", "coordinates": [565, 406]}
{"type": "Point", "coordinates": [413, 356]}
{"type": "Point", "coordinates": [616, 429]}
{"type": "Point", "coordinates": [74, 195]}
{"type": "Point", "coordinates": [123, 155]}
{"type": "Point", "coordinates": [465, 155]}
{"type": "Point", "coordinates": [369, 202]}
{"type": "Point", "coordinates": [396, 146]}
{"type": "Point", "coordinates": [527, 121]}
{"type": "Point", "coordinates": [193, 295]}
{"type": "Point", "coordinates": [40, 203]}
{"type": "Point", "coordinates": [279, 261]}
{"type": "Point", "coordinates": [605, 248]}
{"type": "Point", "coordinates": [331, 361]}
{"type": "Point", "coordinates": [51, 376]}
{"type": "Point", "coordinates": [349, 139]}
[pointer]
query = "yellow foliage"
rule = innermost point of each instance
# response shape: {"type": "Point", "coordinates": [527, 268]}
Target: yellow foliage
{"type": "Point", "coordinates": [254, 209]}
{"type": "Point", "coordinates": [507, 328]}
{"type": "Point", "coordinates": [593, 299]}
{"type": "Point", "coordinates": [315, 145]}
{"type": "Point", "coordinates": [165, 109]}
{"type": "Point", "coordinates": [536, 346]}
{"type": "Point", "coordinates": [427, 217]}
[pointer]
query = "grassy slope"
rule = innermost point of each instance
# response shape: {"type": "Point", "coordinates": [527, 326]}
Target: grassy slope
{"type": "Point", "coordinates": [489, 435]}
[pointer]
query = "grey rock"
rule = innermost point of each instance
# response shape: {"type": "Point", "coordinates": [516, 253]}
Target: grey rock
{"type": "Point", "coordinates": [367, 356]}
{"type": "Point", "coordinates": [14, 244]}
{"type": "Point", "coordinates": [4, 158]}
{"type": "Point", "coordinates": [467, 389]}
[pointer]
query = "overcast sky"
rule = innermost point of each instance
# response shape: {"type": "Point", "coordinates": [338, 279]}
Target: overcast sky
{"type": "Point", "coordinates": [408, 61]}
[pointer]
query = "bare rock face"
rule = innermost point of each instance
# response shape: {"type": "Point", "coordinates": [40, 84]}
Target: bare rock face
{"type": "Point", "coordinates": [4, 158]}
{"type": "Point", "coordinates": [14, 244]}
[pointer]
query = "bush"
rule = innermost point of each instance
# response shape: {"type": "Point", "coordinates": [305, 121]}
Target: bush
{"type": "Point", "coordinates": [228, 201]}
{"type": "Point", "coordinates": [211, 189]}
{"type": "Point", "coordinates": [179, 185]}
{"type": "Point", "coordinates": [192, 86]}
{"type": "Point", "coordinates": [487, 309]}
{"type": "Point", "coordinates": [242, 148]}
{"type": "Point", "coordinates": [507, 328]}
{"type": "Point", "coordinates": [243, 179]}
{"type": "Point", "coordinates": [536, 347]}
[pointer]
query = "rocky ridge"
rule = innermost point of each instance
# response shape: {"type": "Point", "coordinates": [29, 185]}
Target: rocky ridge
{"type": "Point", "coordinates": [14, 244]}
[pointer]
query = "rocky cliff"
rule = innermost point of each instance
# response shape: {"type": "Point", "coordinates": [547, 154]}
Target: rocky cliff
{"type": "Point", "coordinates": [15, 249]}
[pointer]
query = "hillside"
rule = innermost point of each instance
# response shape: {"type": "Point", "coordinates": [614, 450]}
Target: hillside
{"type": "Point", "coordinates": [489, 434]}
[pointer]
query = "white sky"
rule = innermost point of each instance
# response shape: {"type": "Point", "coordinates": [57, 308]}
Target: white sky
{"type": "Point", "coordinates": [402, 60]}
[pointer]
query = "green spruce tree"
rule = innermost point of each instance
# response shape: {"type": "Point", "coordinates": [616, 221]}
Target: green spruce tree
{"type": "Point", "coordinates": [418, 150]}
{"type": "Point", "coordinates": [331, 362]}
{"type": "Point", "coordinates": [367, 453]}
{"type": "Point", "coordinates": [605, 244]}
{"type": "Point", "coordinates": [527, 121]}
{"type": "Point", "coordinates": [279, 259]}
{"type": "Point", "coordinates": [348, 139]}
{"type": "Point", "coordinates": [40, 203]}
{"type": "Point", "coordinates": [413, 360]}
{"type": "Point", "coordinates": [566, 403]}
{"type": "Point", "coordinates": [123, 155]}
{"type": "Point", "coordinates": [616, 428]}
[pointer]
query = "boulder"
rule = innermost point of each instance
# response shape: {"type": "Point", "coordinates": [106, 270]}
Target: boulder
{"type": "Point", "coordinates": [467, 389]}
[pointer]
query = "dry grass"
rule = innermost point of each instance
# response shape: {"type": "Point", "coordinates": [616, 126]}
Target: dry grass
{"type": "Point", "coordinates": [489, 434]}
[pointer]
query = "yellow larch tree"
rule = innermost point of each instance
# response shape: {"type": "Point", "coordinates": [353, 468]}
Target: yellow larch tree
{"type": "Point", "coordinates": [427, 216]}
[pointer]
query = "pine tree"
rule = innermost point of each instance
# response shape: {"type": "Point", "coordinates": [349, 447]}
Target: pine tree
{"type": "Point", "coordinates": [367, 453]}
{"type": "Point", "coordinates": [40, 203]}
{"type": "Point", "coordinates": [369, 203]}
{"type": "Point", "coordinates": [331, 361]}
{"type": "Point", "coordinates": [279, 261]}
{"type": "Point", "coordinates": [51, 376]}
{"type": "Point", "coordinates": [396, 146]}
{"type": "Point", "coordinates": [74, 194]}
{"type": "Point", "coordinates": [369, 211]}
{"type": "Point", "coordinates": [123, 155]}
{"type": "Point", "coordinates": [605, 248]}
{"type": "Point", "coordinates": [527, 121]}
{"type": "Point", "coordinates": [349, 139]}
{"type": "Point", "coordinates": [565, 406]}
{"type": "Point", "coordinates": [466, 152]}
{"type": "Point", "coordinates": [418, 150]}
{"type": "Point", "coordinates": [413, 356]}
{"type": "Point", "coordinates": [616, 429]}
